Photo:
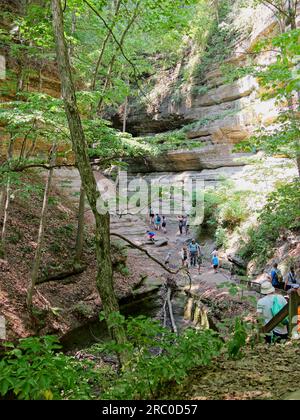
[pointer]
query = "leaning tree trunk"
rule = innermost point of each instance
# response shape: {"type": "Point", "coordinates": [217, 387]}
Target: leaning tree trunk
{"type": "Point", "coordinates": [38, 251]}
{"type": "Point", "coordinates": [80, 229]}
{"type": "Point", "coordinates": [102, 237]}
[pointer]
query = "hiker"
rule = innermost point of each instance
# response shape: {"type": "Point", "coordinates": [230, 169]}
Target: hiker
{"type": "Point", "coordinates": [157, 221]}
{"type": "Point", "coordinates": [194, 251]}
{"type": "Point", "coordinates": [268, 307]}
{"type": "Point", "coordinates": [151, 216]}
{"type": "Point", "coordinates": [187, 225]}
{"type": "Point", "coordinates": [214, 253]}
{"type": "Point", "coordinates": [215, 261]}
{"type": "Point", "coordinates": [180, 224]}
{"type": "Point", "coordinates": [276, 277]}
{"type": "Point", "coordinates": [291, 281]}
{"type": "Point", "coordinates": [184, 220]}
{"type": "Point", "coordinates": [164, 224]}
{"type": "Point", "coordinates": [151, 236]}
{"type": "Point", "coordinates": [184, 256]}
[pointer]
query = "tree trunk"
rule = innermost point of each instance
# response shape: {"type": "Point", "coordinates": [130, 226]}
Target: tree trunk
{"type": "Point", "coordinates": [298, 164]}
{"type": "Point", "coordinates": [125, 114]}
{"type": "Point", "coordinates": [102, 237]}
{"type": "Point", "coordinates": [38, 251]}
{"type": "Point", "coordinates": [80, 229]}
{"type": "Point", "coordinates": [6, 202]}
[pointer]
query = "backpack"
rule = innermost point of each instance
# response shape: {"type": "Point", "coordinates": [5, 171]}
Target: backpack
{"type": "Point", "coordinates": [193, 247]}
{"type": "Point", "coordinates": [292, 278]}
{"type": "Point", "coordinates": [279, 276]}
{"type": "Point", "coordinates": [276, 308]}
{"type": "Point", "coordinates": [276, 278]}
{"type": "Point", "coordinates": [158, 219]}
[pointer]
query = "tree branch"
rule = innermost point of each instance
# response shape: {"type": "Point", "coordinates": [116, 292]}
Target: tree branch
{"type": "Point", "coordinates": [103, 47]}
{"type": "Point", "coordinates": [269, 4]}
{"type": "Point", "coordinates": [147, 253]}
{"type": "Point", "coordinates": [135, 73]}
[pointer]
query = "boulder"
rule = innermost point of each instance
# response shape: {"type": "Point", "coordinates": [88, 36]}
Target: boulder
{"type": "Point", "coordinates": [162, 242]}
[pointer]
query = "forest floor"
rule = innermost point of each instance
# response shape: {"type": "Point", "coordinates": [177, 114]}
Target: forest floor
{"type": "Point", "coordinates": [59, 305]}
{"type": "Point", "coordinates": [264, 372]}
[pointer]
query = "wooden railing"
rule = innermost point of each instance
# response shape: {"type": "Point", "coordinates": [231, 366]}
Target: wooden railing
{"type": "Point", "coordinates": [290, 310]}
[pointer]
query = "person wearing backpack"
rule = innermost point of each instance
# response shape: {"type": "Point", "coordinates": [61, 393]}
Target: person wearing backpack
{"type": "Point", "coordinates": [269, 306]}
{"type": "Point", "coordinates": [193, 251]}
{"type": "Point", "coordinates": [291, 281]}
{"type": "Point", "coordinates": [276, 276]}
{"type": "Point", "coordinates": [157, 221]}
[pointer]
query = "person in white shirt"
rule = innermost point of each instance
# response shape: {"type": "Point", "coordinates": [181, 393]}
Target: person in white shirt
{"type": "Point", "coordinates": [264, 309]}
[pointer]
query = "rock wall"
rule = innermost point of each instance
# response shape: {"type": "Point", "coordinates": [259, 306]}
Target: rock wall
{"type": "Point", "coordinates": [222, 113]}
{"type": "Point", "coordinates": [239, 101]}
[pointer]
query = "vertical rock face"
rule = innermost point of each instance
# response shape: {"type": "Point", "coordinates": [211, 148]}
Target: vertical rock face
{"type": "Point", "coordinates": [222, 114]}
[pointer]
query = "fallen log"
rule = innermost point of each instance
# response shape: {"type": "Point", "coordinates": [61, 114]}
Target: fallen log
{"type": "Point", "coordinates": [63, 275]}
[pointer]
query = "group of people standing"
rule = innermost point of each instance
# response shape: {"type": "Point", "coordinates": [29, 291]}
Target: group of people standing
{"type": "Point", "coordinates": [193, 253]}
{"type": "Point", "coordinates": [184, 224]}
{"type": "Point", "coordinates": [159, 222]}
{"type": "Point", "coordinates": [272, 301]}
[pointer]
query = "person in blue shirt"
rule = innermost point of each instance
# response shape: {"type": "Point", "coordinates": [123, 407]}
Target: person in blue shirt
{"type": "Point", "coordinates": [276, 277]}
{"type": "Point", "coordinates": [151, 235]}
{"type": "Point", "coordinates": [193, 251]}
{"type": "Point", "coordinates": [215, 262]}
{"type": "Point", "coordinates": [157, 222]}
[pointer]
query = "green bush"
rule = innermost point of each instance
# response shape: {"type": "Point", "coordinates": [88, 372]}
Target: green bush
{"type": "Point", "coordinates": [281, 212]}
{"type": "Point", "coordinates": [224, 209]}
{"type": "Point", "coordinates": [35, 370]}
{"type": "Point", "coordinates": [158, 356]}
{"type": "Point", "coordinates": [221, 238]}
{"type": "Point", "coordinates": [233, 210]}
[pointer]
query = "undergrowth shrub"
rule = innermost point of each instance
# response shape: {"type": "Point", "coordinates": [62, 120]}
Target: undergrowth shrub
{"type": "Point", "coordinates": [34, 370]}
{"type": "Point", "coordinates": [281, 212]}
{"type": "Point", "coordinates": [157, 356]}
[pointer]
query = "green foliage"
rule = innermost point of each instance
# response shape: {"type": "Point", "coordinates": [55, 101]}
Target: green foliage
{"type": "Point", "coordinates": [219, 41]}
{"type": "Point", "coordinates": [157, 356]}
{"type": "Point", "coordinates": [221, 238]}
{"type": "Point", "coordinates": [238, 339]}
{"type": "Point", "coordinates": [282, 211]}
{"type": "Point", "coordinates": [224, 210]}
{"type": "Point", "coordinates": [34, 369]}
{"type": "Point", "coordinates": [171, 140]}
{"type": "Point", "coordinates": [279, 80]}
{"type": "Point", "coordinates": [83, 309]}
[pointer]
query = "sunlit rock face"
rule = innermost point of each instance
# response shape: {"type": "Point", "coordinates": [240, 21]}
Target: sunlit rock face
{"type": "Point", "coordinates": [222, 113]}
{"type": "Point", "coordinates": [208, 157]}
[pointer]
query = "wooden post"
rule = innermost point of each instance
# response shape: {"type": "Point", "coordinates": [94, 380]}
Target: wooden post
{"type": "Point", "coordinates": [293, 312]}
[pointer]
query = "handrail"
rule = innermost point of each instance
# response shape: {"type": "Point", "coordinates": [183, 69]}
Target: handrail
{"type": "Point", "coordinates": [283, 313]}
{"type": "Point", "coordinates": [290, 310]}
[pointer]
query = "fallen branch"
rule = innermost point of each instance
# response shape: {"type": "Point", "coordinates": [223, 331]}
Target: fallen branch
{"type": "Point", "coordinates": [147, 253]}
{"type": "Point", "coordinates": [171, 311]}
{"type": "Point", "coordinates": [62, 276]}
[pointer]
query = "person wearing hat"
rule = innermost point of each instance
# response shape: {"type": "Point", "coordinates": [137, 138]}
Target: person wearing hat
{"type": "Point", "coordinates": [265, 307]}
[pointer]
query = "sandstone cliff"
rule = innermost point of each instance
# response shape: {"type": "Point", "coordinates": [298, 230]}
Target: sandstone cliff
{"type": "Point", "coordinates": [222, 113]}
